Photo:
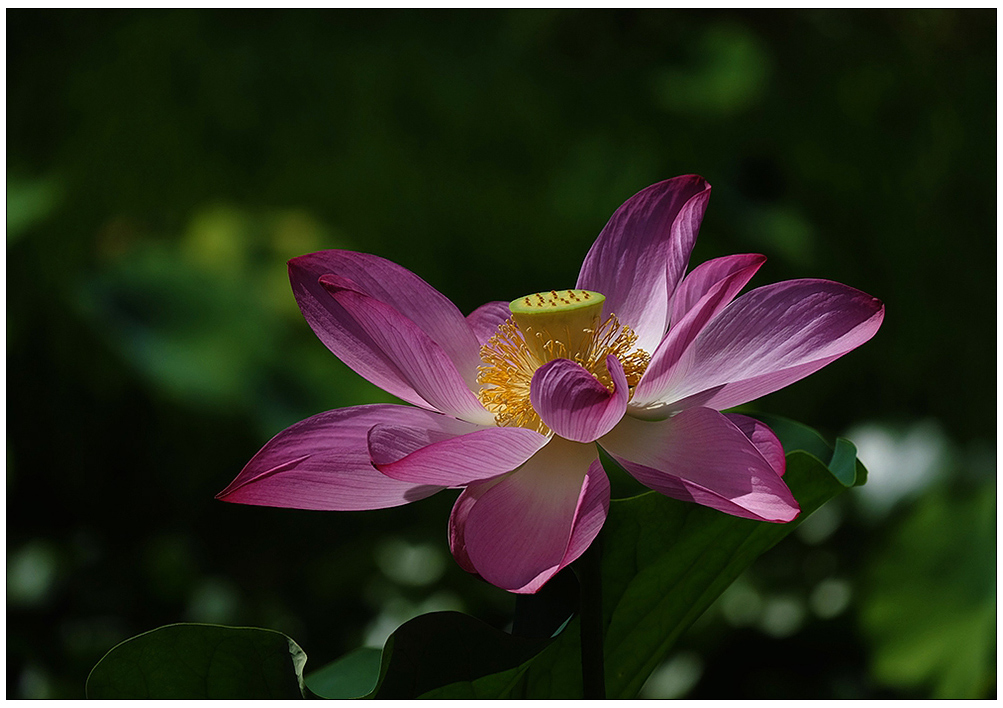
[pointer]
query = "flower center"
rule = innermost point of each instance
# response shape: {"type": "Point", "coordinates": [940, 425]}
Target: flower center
{"type": "Point", "coordinates": [560, 324]}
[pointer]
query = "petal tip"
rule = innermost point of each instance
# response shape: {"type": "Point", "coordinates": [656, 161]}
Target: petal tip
{"type": "Point", "coordinates": [795, 512]}
{"type": "Point", "coordinates": [694, 179]}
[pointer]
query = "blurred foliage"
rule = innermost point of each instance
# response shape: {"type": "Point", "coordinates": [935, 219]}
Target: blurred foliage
{"type": "Point", "coordinates": [162, 166]}
{"type": "Point", "coordinates": [945, 636]}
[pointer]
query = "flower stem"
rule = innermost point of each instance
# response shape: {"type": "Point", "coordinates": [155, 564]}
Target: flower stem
{"type": "Point", "coordinates": [589, 569]}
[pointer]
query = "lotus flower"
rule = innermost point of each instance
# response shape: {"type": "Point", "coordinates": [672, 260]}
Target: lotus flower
{"type": "Point", "coordinates": [512, 402]}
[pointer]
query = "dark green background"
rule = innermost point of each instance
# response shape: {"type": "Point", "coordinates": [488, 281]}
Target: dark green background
{"type": "Point", "coordinates": [162, 166]}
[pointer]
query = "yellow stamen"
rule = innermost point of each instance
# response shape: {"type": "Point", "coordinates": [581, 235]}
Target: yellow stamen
{"type": "Point", "coordinates": [547, 326]}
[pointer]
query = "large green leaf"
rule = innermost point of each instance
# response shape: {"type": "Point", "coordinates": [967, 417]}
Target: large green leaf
{"type": "Point", "coordinates": [670, 560]}
{"type": "Point", "coordinates": [665, 561]}
{"type": "Point", "coordinates": [429, 651]}
{"type": "Point", "coordinates": [440, 648]}
{"type": "Point", "coordinates": [201, 661]}
{"type": "Point", "coordinates": [841, 461]}
{"type": "Point", "coordinates": [352, 676]}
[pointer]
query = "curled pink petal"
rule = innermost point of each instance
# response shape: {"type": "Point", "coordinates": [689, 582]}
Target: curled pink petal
{"type": "Point", "coordinates": [642, 253]}
{"type": "Point", "coordinates": [766, 339]}
{"type": "Point", "coordinates": [391, 284]}
{"type": "Point", "coordinates": [700, 455]}
{"type": "Point", "coordinates": [572, 402]}
{"type": "Point", "coordinates": [701, 296]}
{"type": "Point", "coordinates": [485, 320]}
{"type": "Point", "coordinates": [408, 352]}
{"type": "Point", "coordinates": [765, 440]}
{"type": "Point", "coordinates": [519, 530]}
{"type": "Point", "coordinates": [431, 456]}
{"type": "Point", "coordinates": [323, 462]}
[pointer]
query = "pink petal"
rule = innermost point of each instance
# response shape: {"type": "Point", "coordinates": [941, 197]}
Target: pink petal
{"type": "Point", "coordinates": [430, 456]}
{"type": "Point", "coordinates": [702, 295]}
{"type": "Point", "coordinates": [766, 339]}
{"type": "Point", "coordinates": [323, 462]}
{"type": "Point", "coordinates": [407, 352]}
{"type": "Point", "coordinates": [572, 402]}
{"type": "Point", "coordinates": [765, 440]}
{"type": "Point", "coordinates": [519, 530]}
{"type": "Point", "coordinates": [593, 506]}
{"type": "Point", "coordinates": [485, 320]}
{"type": "Point", "coordinates": [458, 520]}
{"type": "Point", "coordinates": [392, 285]}
{"type": "Point", "coordinates": [735, 270]}
{"type": "Point", "coordinates": [700, 455]}
{"type": "Point", "coordinates": [642, 253]}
